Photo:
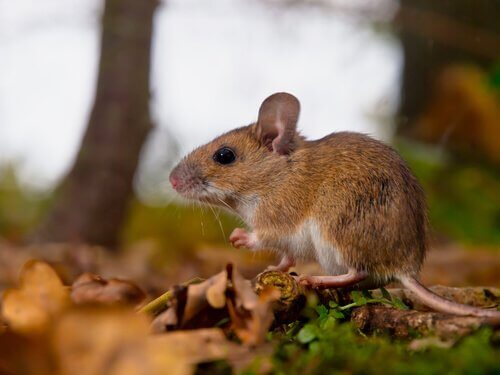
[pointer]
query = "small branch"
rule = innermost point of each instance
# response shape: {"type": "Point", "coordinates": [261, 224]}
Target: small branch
{"type": "Point", "coordinates": [161, 303]}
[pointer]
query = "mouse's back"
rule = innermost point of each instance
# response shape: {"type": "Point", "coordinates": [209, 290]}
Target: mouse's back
{"type": "Point", "coordinates": [369, 204]}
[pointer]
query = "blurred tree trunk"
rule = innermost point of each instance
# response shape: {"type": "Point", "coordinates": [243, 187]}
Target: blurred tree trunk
{"type": "Point", "coordinates": [91, 203]}
{"type": "Point", "coordinates": [435, 34]}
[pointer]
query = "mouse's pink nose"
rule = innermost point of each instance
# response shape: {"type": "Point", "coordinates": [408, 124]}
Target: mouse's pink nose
{"type": "Point", "coordinates": [174, 180]}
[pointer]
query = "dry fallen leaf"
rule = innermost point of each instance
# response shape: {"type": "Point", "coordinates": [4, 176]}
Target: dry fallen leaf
{"type": "Point", "coordinates": [226, 294]}
{"type": "Point", "coordinates": [210, 291]}
{"type": "Point", "coordinates": [90, 288]}
{"type": "Point", "coordinates": [263, 317]}
{"type": "Point", "coordinates": [40, 297]}
{"type": "Point", "coordinates": [163, 321]}
{"type": "Point", "coordinates": [199, 345]}
{"type": "Point", "coordinates": [112, 340]}
{"type": "Point", "coordinates": [245, 295]}
{"type": "Point", "coordinates": [251, 314]}
{"type": "Point", "coordinates": [25, 354]}
{"type": "Point", "coordinates": [216, 292]}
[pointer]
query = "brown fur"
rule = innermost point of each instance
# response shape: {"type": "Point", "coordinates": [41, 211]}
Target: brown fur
{"type": "Point", "coordinates": [368, 203]}
{"type": "Point", "coordinates": [346, 200]}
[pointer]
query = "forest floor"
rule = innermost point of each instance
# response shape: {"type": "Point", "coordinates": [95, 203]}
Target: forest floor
{"type": "Point", "coordinates": [220, 326]}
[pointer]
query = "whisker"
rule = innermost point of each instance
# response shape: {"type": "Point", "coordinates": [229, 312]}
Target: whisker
{"type": "Point", "coordinates": [202, 211]}
{"type": "Point", "coordinates": [217, 217]}
{"type": "Point", "coordinates": [232, 210]}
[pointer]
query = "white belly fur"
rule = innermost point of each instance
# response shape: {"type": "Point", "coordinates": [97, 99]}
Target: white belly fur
{"type": "Point", "coordinates": [308, 244]}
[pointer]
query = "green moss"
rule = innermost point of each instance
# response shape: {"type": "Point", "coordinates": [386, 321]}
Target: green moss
{"type": "Point", "coordinates": [319, 346]}
{"type": "Point", "coordinates": [342, 350]}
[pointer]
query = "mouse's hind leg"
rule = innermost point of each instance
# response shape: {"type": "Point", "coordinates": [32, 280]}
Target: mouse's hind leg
{"type": "Point", "coordinates": [339, 281]}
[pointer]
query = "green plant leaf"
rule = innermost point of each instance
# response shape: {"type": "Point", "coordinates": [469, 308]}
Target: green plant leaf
{"type": "Point", "coordinates": [329, 323]}
{"type": "Point", "coordinates": [337, 314]}
{"type": "Point", "coordinates": [307, 334]}
{"type": "Point", "coordinates": [386, 294]}
{"type": "Point", "coordinates": [399, 304]}
{"type": "Point", "coordinates": [358, 298]}
{"type": "Point", "coordinates": [333, 304]}
{"type": "Point", "coordinates": [322, 311]}
{"type": "Point", "coordinates": [292, 329]}
{"type": "Point", "coordinates": [315, 347]}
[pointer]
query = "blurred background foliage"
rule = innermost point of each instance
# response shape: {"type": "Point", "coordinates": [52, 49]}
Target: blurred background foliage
{"type": "Point", "coordinates": [447, 127]}
{"type": "Point", "coordinates": [113, 214]}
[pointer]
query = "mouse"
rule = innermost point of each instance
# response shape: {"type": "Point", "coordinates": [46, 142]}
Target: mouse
{"type": "Point", "coordinates": [347, 201]}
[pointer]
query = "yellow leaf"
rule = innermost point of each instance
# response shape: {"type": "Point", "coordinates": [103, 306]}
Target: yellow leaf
{"type": "Point", "coordinates": [94, 341]}
{"type": "Point", "coordinates": [216, 291]}
{"type": "Point", "coordinates": [198, 345]}
{"type": "Point", "coordinates": [40, 297]}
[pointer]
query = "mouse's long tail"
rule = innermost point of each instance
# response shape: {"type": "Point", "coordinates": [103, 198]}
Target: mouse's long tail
{"type": "Point", "coordinates": [438, 303]}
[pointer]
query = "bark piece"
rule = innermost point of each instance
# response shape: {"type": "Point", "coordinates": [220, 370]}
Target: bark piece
{"type": "Point", "coordinates": [292, 295]}
{"type": "Point", "coordinates": [408, 323]}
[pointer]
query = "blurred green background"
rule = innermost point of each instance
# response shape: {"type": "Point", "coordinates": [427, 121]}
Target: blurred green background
{"type": "Point", "coordinates": [439, 106]}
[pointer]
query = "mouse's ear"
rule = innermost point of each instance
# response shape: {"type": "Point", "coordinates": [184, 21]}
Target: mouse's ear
{"type": "Point", "coordinates": [277, 123]}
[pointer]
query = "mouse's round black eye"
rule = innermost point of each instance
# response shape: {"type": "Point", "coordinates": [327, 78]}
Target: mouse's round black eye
{"type": "Point", "coordinates": [224, 155]}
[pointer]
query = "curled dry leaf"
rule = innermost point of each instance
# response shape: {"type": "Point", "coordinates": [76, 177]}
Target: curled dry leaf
{"type": "Point", "coordinates": [163, 321]}
{"type": "Point", "coordinates": [216, 292]}
{"type": "Point", "coordinates": [210, 292]}
{"type": "Point", "coordinates": [245, 295]}
{"type": "Point", "coordinates": [40, 297]}
{"type": "Point", "coordinates": [251, 326]}
{"type": "Point", "coordinates": [227, 294]}
{"type": "Point", "coordinates": [112, 340]}
{"type": "Point", "coordinates": [90, 288]}
{"type": "Point", "coordinates": [251, 314]}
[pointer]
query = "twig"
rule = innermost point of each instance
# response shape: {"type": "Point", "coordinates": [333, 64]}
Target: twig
{"type": "Point", "coordinates": [161, 303]}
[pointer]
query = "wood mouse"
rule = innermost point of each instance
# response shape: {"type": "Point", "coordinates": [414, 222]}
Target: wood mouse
{"type": "Point", "coordinates": [347, 201]}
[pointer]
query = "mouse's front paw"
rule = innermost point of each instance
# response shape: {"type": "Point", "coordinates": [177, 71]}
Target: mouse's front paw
{"type": "Point", "coordinates": [241, 238]}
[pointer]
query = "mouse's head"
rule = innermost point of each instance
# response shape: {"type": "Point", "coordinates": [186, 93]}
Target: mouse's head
{"type": "Point", "coordinates": [241, 164]}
